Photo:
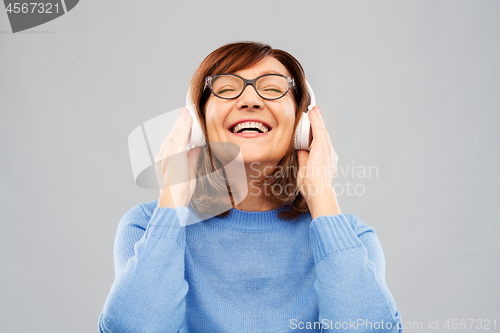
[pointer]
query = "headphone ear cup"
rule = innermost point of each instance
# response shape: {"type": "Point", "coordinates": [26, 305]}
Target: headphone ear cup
{"type": "Point", "coordinates": [311, 96]}
{"type": "Point", "coordinates": [196, 137]}
{"type": "Point", "coordinates": [303, 134]}
{"type": "Point", "coordinates": [301, 140]}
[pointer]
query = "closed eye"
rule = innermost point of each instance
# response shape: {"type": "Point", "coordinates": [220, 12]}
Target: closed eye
{"type": "Point", "coordinates": [224, 89]}
{"type": "Point", "coordinates": [273, 89]}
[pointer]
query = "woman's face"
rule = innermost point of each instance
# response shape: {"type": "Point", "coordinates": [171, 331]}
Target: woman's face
{"type": "Point", "coordinates": [278, 115]}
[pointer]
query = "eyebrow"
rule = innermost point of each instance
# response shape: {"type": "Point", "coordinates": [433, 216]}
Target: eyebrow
{"type": "Point", "coordinates": [271, 72]}
{"type": "Point", "coordinates": [268, 72]}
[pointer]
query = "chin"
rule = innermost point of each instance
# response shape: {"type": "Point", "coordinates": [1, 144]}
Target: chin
{"type": "Point", "coordinates": [251, 157]}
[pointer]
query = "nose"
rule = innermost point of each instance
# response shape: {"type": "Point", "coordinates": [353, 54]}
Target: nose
{"type": "Point", "coordinates": [249, 99]}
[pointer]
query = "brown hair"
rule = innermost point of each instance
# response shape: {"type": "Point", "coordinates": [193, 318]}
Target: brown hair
{"type": "Point", "coordinates": [229, 59]}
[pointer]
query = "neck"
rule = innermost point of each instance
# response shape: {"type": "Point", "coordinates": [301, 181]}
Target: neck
{"type": "Point", "coordinates": [250, 195]}
{"type": "Point", "coordinates": [256, 202]}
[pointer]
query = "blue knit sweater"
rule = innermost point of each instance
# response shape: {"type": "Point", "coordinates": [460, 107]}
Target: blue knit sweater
{"type": "Point", "coordinates": [246, 272]}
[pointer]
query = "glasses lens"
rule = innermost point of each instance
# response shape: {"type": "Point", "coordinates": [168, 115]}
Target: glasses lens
{"type": "Point", "coordinates": [272, 86]}
{"type": "Point", "coordinates": [227, 86]}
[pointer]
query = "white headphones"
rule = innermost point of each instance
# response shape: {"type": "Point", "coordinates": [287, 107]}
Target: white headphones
{"type": "Point", "coordinates": [301, 139]}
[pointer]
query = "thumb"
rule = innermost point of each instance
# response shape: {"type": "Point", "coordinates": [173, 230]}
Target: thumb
{"type": "Point", "coordinates": [302, 157]}
{"type": "Point", "coordinates": [192, 157]}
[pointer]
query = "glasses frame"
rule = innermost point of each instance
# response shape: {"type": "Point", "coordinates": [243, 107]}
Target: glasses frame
{"type": "Point", "coordinates": [208, 83]}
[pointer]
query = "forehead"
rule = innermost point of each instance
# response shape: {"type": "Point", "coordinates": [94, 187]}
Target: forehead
{"type": "Point", "coordinates": [265, 66]}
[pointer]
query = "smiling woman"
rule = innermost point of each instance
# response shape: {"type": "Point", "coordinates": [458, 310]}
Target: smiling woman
{"type": "Point", "coordinates": [230, 103]}
{"type": "Point", "coordinates": [276, 259]}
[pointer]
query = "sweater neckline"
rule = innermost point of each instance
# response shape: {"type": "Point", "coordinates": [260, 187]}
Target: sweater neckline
{"type": "Point", "coordinates": [252, 221]}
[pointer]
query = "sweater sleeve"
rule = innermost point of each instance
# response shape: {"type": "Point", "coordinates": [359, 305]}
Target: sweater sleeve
{"type": "Point", "coordinates": [350, 277]}
{"type": "Point", "coordinates": [148, 292]}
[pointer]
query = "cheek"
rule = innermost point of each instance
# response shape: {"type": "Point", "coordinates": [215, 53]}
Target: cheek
{"type": "Point", "coordinates": [210, 125]}
{"type": "Point", "coordinates": [289, 118]}
{"type": "Point", "coordinates": [214, 121]}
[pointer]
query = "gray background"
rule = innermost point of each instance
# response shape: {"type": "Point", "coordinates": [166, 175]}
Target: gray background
{"type": "Point", "coordinates": [410, 87]}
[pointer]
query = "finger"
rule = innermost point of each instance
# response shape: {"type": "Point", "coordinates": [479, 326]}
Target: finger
{"type": "Point", "coordinates": [325, 132]}
{"type": "Point", "coordinates": [329, 143]}
{"type": "Point", "coordinates": [175, 151]}
{"type": "Point", "coordinates": [168, 146]}
{"type": "Point", "coordinates": [321, 123]}
{"type": "Point", "coordinates": [173, 165]}
{"type": "Point", "coordinates": [315, 119]}
{"type": "Point", "coordinates": [192, 156]}
{"type": "Point", "coordinates": [302, 157]}
{"type": "Point", "coordinates": [321, 130]}
{"type": "Point", "coordinates": [172, 134]}
{"type": "Point", "coordinates": [320, 117]}
{"type": "Point", "coordinates": [182, 134]}
{"type": "Point", "coordinates": [316, 125]}
{"type": "Point", "coordinates": [175, 130]}
{"type": "Point", "coordinates": [178, 121]}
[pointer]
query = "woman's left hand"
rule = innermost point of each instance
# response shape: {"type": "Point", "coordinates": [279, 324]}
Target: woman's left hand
{"type": "Point", "coordinates": [317, 169]}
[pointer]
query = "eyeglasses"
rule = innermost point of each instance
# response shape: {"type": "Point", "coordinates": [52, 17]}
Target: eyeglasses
{"type": "Point", "coordinates": [267, 86]}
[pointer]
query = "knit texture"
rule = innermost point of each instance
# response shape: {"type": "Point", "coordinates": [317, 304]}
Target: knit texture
{"type": "Point", "coordinates": [246, 272]}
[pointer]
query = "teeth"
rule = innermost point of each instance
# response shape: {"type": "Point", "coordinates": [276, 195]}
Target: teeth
{"type": "Point", "coordinates": [250, 124]}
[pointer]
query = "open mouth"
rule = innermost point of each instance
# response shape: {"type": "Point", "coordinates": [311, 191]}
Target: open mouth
{"type": "Point", "coordinates": [250, 127]}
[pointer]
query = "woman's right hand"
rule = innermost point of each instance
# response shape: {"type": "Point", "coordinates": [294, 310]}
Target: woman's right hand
{"type": "Point", "coordinates": [176, 166]}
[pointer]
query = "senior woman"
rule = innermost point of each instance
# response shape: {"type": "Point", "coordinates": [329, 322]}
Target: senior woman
{"type": "Point", "coordinates": [276, 261]}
